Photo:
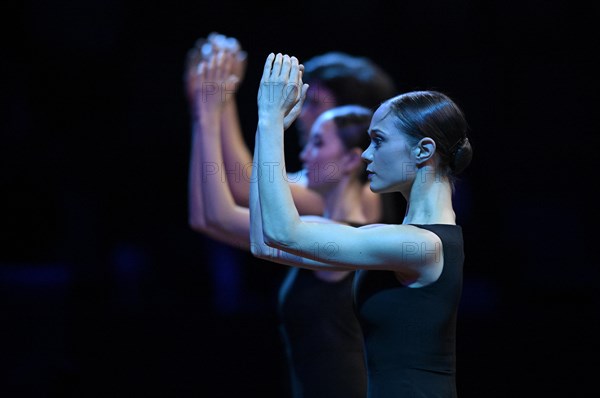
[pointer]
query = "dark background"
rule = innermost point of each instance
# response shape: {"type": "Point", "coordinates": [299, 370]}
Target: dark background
{"type": "Point", "coordinates": [106, 292]}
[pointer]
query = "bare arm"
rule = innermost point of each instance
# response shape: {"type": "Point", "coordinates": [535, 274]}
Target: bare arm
{"type": "Point", "coordinates": [220, 211]}
{"type": "Point", "coordinates": [413, 253]}
{"type": "Point", "coordinates": [196, 210]}
{"type": "Point", "coordinates": [196, 217]}
{"type": "Point", "coordinates": [237, 156]}
{"type": "Point", "coordinates": [258, 246]}
{"type": "Point", "coordinates": [199, 167]}
{"type": "Point", "coordinates": [221, 216]}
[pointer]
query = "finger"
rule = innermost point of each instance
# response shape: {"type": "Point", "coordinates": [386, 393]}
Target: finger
{"type": "Point", "coordinates": [276, 70]}
{"type": "Point", "coordinates": [227, 65]}
{"type": "Point", "coordinates": [201, 72]}
{"type": "Point", "coordinates": [295, 75]}
{"type": "Point", "coordinates": [232, 44]}
{"type": "Point", "coordinates": [295, 110]}
{"type": "Point", "coordinates": [199, 86]}
{"type": "Point", "coordinates": [232, 79]}
{"type": "Point", "coordinates": [301, 97]}
{"type": "Point", "coordinates": [268, 67]}
{"type": "Point", "coordinates": [211, 67]}
{"type": "Point", "coordinates": [301, 73]}
{"type": "Point", "coordinates": [286, 66]}
{"type": "Point", "coordinates": [239, 62]}
{"type": "Point", "coordinates": [219, 41]}
{"type": "Point", "coordinates": [207, 50]}
{"type": "Point", "coordinates": [303, 92]}
{"type": "Point", "coordinates": [300, 103]}
{"type": "Point", "coordinates": [220, 66]}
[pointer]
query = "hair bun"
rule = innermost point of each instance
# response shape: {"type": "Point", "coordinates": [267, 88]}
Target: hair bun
{"type": "Point", "coordinates": [461, 156]}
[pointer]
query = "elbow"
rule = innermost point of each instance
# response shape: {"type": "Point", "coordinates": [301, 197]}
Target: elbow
{"type": "Point", "coordinates": [260, 250]}
{"type": "Point", "coordinates": [196, 224]}
{"type": "Point", "coordinates": [215, 219]}
{"type": "Point", "coordinates": [281, 234]}
{"type": "Point", "coordinates": [258, 247]}
{"type": "Point", "coordinates": [219, 218]}
{"type": "Point", "coordinates": [271, 240]}
{"type": "Point", "coordinates": [212, 221]}
{"type": "Point", "coordinates": [256, 250]}
{"type": "Point", "coordinates": [202, 224]}
{"type": "Point", "coordinates": [279, 239]}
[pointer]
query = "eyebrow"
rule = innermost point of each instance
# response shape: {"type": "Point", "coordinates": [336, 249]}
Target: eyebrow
{"type": "Point", "coordinates": [375, 131]}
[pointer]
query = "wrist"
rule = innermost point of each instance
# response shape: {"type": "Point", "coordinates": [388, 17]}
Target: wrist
{"type": "Point", "coordinates": [268, 120]}
{"type": "Point", "coordinates": [209, 120]}
{"type": "Point", "coordinates": [230, 105]}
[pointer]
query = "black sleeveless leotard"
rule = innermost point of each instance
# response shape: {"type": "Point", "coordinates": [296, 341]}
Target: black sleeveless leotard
{"type": "Point", "coordinates": [322, 336]}
{"type": "Point", "coordinates": [410, 333]}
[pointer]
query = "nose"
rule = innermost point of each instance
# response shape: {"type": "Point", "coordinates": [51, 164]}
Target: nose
{"type": "Point", "coordinates": [303, 153]}
{"type": "Point", "coordinates": [366, 155]}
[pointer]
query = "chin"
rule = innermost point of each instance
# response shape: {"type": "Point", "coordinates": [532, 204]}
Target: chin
{"type": "Point", "coordinates": [381, 189]}
{"type": "Point", "coordinates": [374, 187]}
{"type": "Point", "coordinates": [319, 186]}
{"type": "Point", "coordinates": [315, 187]}
{"type": "Point", "coordinates": [377, 190]}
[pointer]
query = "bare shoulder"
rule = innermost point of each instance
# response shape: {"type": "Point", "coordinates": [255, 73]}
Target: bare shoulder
{"type": "Point", "coordinates": [402, 230]}
{"type": "Point", "coordinates": [415, 245]}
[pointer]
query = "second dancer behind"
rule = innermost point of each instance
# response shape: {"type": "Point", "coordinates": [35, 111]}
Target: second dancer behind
{"type": "Point", "coordinates": [321, 334]}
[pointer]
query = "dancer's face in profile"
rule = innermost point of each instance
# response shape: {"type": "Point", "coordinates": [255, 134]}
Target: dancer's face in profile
{"type": "Point", "coordinates": [390, 161]}
{"type": "Point", "coordinates": [323, 154]}
{"type": "Point", "coordinates": [318, 100]}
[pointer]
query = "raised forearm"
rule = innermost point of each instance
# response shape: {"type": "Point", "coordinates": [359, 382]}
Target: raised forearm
{"type": "Point", "coordinates": [257, 242]}
{"type": "Point", "coordinates": [236, 155]}
{"type": "Point", "coordinates": [196, 218]}
{"type": "Point", "coordinates": [220, 210]}
{"type": "Point", "coordinates": [279, 214]}
{"type": "Point", "coordinates": [197, 209]}
{"type": "Point", "coordinates": [258, 246]}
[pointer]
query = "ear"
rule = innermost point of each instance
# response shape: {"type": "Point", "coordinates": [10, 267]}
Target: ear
{"type": "Point", "coordinates": [353, 160]}
{"type": "Point", "coordinates": [424, 150]}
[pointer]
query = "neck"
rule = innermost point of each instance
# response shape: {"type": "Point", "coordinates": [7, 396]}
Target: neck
{"type": "Point", "coordinates": [343, 202]}
{"type": "Point", "coordinates": [429, 199]}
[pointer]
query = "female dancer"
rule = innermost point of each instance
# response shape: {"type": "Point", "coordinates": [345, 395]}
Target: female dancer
{"type": "Point", "coordinates": [409, 276]}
